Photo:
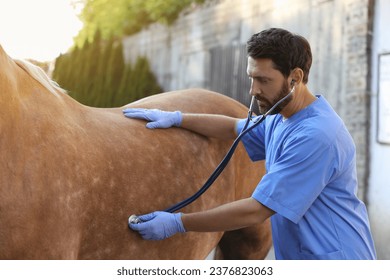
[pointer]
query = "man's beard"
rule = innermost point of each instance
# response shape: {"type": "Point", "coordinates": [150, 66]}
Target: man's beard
{"type": "Point", "coordinates": [265, 105]}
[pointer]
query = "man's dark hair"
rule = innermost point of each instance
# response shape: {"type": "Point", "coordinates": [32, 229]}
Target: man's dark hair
{"type": "Point", "coordinates": [286, 50]}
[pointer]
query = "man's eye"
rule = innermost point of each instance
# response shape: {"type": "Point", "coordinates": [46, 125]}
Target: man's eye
{"type": "Point", "coordinates": [263, 81]}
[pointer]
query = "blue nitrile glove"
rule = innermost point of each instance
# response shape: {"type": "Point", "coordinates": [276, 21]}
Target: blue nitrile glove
{"type": "Point", "coordinates": [156, 118]}
{"type": "Point", "coordinates": [159, 225]}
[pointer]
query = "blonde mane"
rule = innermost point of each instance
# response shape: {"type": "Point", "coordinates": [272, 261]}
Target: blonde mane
{"type": "Point", "coordinates": [40, 76]}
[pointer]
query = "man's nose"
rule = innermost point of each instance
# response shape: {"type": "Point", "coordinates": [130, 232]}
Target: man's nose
{"type": "Point", "coordinates": [254, 91]}
{"type": "Point", "coordinates": [252, 88]}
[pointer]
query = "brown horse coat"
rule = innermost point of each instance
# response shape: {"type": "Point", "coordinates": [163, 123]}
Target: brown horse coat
{"type": "Point", "coordinates": [70, 175]}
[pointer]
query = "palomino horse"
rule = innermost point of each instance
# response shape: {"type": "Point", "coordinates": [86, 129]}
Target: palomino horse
{"type": "Point", "coordinates": [71, 174]}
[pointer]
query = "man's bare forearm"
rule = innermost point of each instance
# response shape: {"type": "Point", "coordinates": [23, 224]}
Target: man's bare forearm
{"type": "Point", "coordinates": [230, 216]}
{"type": "Point", "coordinates": [216, 126]}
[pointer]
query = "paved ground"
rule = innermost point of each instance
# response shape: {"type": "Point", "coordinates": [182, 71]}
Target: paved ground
{"type": "Point", "coordinates": [271, 254]}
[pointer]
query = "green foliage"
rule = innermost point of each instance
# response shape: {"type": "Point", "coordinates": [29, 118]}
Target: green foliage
{"type": "Point", "coordinates": [96, 74]}
{"type": "Point", "coordinates": [116, 18]}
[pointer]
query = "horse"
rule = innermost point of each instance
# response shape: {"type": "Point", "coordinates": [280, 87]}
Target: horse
{"type": "Point", "coordinates": [72, 174]}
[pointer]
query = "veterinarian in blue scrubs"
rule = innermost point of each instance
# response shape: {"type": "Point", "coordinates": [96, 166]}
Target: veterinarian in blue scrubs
{"type": "Point", "coordinates": [309, 189]}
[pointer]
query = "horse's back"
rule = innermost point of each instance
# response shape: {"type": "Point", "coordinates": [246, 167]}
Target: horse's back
{"type": "Point", "coordinates": [193, 101]}
{"type": "Point", "coordinates": [83, 173]}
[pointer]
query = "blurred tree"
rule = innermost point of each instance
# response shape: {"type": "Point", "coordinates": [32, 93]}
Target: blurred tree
{"type": "Point", "coordinates": [116, 18]}
{"type": "Point", "coordinates": [114, 74]}
{"type": "Point", "coordinates": [96, 75]}
{"type": "Point", "coordinates": [94, 72]}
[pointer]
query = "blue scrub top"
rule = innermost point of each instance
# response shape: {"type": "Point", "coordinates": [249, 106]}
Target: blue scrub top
{"type": "Point", "coordinates": [311, 184]}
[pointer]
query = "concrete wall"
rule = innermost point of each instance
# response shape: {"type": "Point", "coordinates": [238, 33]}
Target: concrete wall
{"type": "Point", "coordinates": [379, 190]}
{"type": "Point", "coordinates": [339, 31]}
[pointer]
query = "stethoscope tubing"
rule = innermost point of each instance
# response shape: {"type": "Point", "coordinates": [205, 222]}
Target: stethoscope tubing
{"type": "Point", "coordinates": [221, 166]}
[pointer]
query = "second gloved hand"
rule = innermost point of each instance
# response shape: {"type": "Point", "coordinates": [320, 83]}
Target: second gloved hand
{"type": "Point", "coordinates": [156, 118]}
{"type": "Point", "coordinates": [159, 225]}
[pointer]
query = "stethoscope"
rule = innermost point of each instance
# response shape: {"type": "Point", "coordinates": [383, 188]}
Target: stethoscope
{"type": "Point", "coordinates": [221, 166]}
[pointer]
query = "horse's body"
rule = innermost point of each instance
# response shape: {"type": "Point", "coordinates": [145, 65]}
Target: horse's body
{"type": "Point", "coordinates": [71, 175]}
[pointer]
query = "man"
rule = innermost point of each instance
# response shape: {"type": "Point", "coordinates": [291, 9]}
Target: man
{"type": "Point", "coordinates": [309, 189]}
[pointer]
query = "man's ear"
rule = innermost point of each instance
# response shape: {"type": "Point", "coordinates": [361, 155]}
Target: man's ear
{"type": "Point", "coordinates": [296, 76]}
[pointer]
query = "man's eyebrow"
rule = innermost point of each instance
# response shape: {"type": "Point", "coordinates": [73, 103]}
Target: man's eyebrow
{"type": "Point", "coordinates": [259, 77]}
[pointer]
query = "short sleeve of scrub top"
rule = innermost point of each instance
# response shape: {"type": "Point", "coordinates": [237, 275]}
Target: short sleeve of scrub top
{"type": "Point", "coordinates": [298, 167]}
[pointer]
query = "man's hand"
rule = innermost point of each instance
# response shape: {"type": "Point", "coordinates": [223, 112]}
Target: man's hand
{"type": "Point", "coordinates": [156, 118]}
{"type": "Point", "coordinates": [158, 225]}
